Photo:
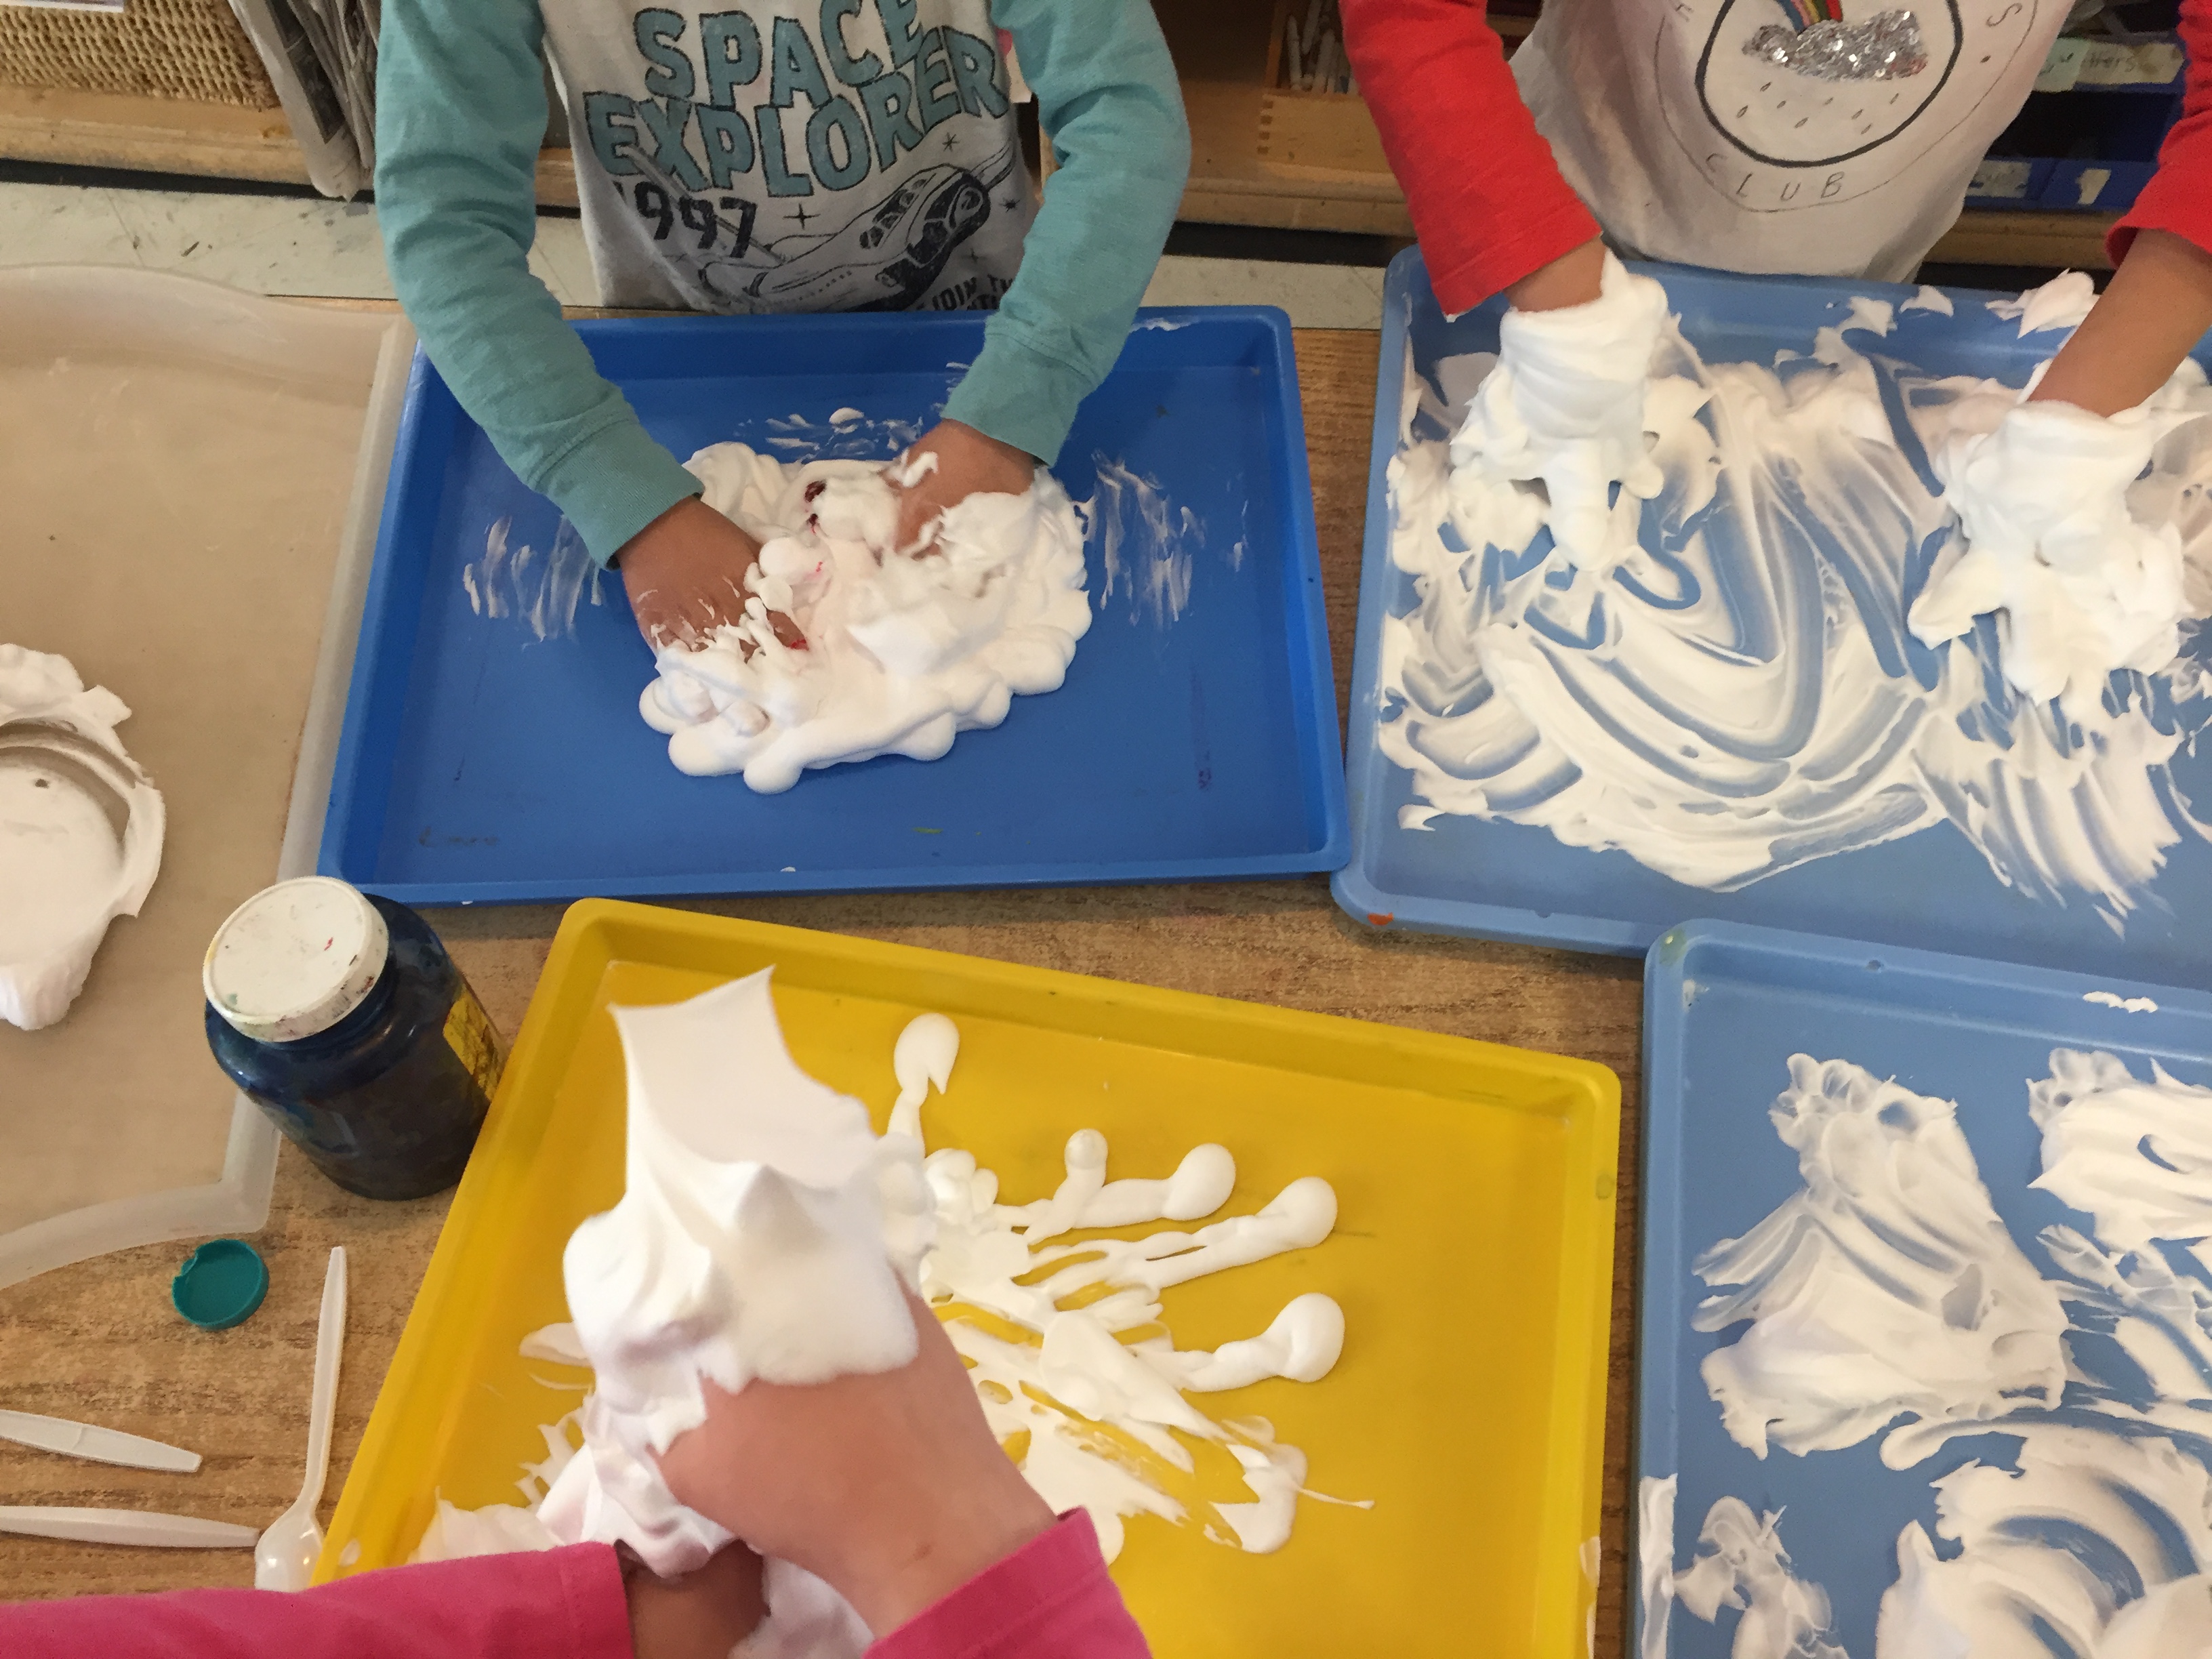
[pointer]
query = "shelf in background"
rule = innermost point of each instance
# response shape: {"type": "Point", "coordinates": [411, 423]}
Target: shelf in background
{"type": "Point", "coordinates": [162, 135]}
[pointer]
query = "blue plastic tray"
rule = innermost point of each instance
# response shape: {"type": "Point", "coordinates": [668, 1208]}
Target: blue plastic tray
{"type": "Point", "coordinates": [1494, 879]}
{"type": "Point", "coordinates": [481, 762]}
{"type": "Point", "coordinates": [1725, 1006]}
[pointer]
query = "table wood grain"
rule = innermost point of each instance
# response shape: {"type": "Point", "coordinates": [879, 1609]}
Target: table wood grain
{"type": "Point", "coordinates": [98, 1341]}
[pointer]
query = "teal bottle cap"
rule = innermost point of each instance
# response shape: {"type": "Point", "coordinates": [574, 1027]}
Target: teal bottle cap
{"type": "Point", "coordinates": [220, 1284]}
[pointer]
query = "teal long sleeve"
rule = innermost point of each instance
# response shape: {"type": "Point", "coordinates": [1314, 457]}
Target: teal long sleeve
{"type": "Point", "coordinates": [461, 110]}
{"type": "Point", "coordinates": [460, 113]}
{"type": "Point", "coordinates": [1107, 94]}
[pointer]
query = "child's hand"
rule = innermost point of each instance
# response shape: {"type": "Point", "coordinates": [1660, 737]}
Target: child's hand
{"type": "Point", "coordinates": [967, 464]}
{"type": "Point", "coordinates": [685, 576]}
{"type": "Point", "coordinates": [889, 1488]}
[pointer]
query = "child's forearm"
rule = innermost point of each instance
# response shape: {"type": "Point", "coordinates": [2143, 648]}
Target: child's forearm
{"type": "Point", "coordinates": [559, 1604]}
{"type": "Point", "coordinates": [1107, 94]}
{"type": "Point", "coordinates": [1487, 197]}
{"type": "Point", "coordinates": [2157, 309]}
{"type": "Point", "coordinates": [460, 113]}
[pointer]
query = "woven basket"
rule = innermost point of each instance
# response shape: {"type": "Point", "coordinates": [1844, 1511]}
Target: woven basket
{"type": "Point", "coordinates": [190, 50]}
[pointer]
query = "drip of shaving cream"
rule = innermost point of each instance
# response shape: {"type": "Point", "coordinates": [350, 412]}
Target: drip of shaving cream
{"type": "Point", "coordinates": [1885, 1286]}
{"type": "Point", "coordinates": [752, 1241]}
{"type": "Point", "coordinates": [1928, 298]}
{"type": "Point", "coordinates": [1095, 1411]}
{"type": "Point", "coordinates": [80, 829]}
{"type": "Point", "coordinates": [2114, 999]}
{"type": "Point", "coordinates": [2064, 302]}
{"type": "Point", "coordinates": [902, 652]}
{"type": "Point", "coordinates": [2047, 540]}
{"type": "Point", "coordinates": [1739, 695]}
{"type": "Point", "coordinates": [1566, 408]}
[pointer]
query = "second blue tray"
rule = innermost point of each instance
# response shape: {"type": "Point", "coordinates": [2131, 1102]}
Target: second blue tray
{"type": "Point", "coordinates": [1725, 1007]}
{"type": "Point", "coordinates": [1496, 879]}
{"type": "Point", "coordinates": [499, 757]}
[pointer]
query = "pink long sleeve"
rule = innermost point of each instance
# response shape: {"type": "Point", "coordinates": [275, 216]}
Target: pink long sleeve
{"type": "Point", "coordinates": [561, 1604]}
{"type": "Point", "coordinates": [1051, 1599]}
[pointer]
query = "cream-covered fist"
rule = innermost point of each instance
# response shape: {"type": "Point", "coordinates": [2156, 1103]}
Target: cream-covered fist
{"type": "Point", "coordinates": [1564, 408]}
{"type": "Point", "coordinates": [2046, 539]}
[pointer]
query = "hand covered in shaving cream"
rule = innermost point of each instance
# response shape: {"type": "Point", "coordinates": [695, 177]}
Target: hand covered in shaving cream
{"type": "Point", "coordinates": [686, 573]}
{"type": "Point", "coordinates": [2046, 539]}
{"type": "Point", "coordinates": [1564, 407]}
{"type": "Point", "coordinates": [949, 464]}
{"type": "Point", "coordinates": [889, 1486]}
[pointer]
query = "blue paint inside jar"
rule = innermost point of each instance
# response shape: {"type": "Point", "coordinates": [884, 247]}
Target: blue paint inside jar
{"type": "Point", "coordinates": [387, 1100]}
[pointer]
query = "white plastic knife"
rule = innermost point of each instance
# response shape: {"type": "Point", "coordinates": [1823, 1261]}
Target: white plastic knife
{"type": "Point", "coordinates": [98, 1445]}
{"type": "Point", "coordinates": [174, 1532]}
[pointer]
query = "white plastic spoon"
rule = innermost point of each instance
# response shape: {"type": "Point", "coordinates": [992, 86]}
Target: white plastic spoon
{"type": "Point", "coordinates": [285, 1557]}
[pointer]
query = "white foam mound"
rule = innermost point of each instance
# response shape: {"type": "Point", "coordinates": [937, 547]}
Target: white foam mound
{"type": "Point", "coordinates": [902, 652]}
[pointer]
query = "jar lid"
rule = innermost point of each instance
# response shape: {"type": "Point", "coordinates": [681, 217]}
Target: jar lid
{"type": "Point", "coordinates": [295, 959]}
{"type": "Point", "coordinates": [220, 1284]}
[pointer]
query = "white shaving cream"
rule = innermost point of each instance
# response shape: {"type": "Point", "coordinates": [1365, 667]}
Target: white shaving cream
{"type": "Point", "coordinates": [2093, 1538]}
{"type": "Point", "coordinates": [2063, 302]}
{"type": "Point", "coordinates": [1727, 689]}
{"type": "Point", "coordinates": [754, 1208]}
{"type": "Point", "coordinates": [81, 827]}
{"type": "Point", "coordinates": [903, 650]}
{"type": "Point", "coordinates": [1885, 1286]}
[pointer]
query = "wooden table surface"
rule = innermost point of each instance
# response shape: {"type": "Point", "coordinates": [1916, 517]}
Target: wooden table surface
{"type": "Point", "coordinates": [99, 1341]}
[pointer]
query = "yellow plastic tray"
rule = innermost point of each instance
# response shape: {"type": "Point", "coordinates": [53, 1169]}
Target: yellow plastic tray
{"type": "Point", "coordinates": [1473, 1256]}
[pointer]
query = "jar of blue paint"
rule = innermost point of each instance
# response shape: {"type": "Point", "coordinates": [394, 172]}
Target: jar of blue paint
{"type": "Point", "coordinates": [342, 1016]}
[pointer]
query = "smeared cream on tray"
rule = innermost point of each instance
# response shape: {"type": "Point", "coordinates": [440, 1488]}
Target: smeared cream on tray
{"type": "Point", "coordinates": [1728, 688]}
{"type": "Point", "coordinates": [2085, 1528]}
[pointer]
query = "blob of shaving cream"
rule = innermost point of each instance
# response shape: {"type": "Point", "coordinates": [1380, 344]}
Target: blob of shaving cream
{"type": "Point", "coordinates": [904, 650]}
{"type": "Point", "coordinates": [2047, 540]}
{"type": "Point", "coordinates": [1565, 409]}
{"type": "Point", "coordinates": [81, 827]}
{"type": "Point", "coordinates": [1887, 1286]}
{"type": "Point", "coordinates": [763, 1234]}
{"type": "Point", "coordinates": [2064, 302]}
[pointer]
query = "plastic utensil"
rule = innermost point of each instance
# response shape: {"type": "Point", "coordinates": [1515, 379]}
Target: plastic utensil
{"type": "Point", "coordinates": [88, 1440]}
{"type": "Point", "coordinates": [146, 1527]}
{"type": "Point", "coordinates": [284, 1559]}
{"type": "Point", "coordinates": [220, 1284]}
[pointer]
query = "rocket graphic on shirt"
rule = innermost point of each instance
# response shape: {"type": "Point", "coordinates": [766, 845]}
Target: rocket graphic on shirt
{"type": "Point", "coordinates": [794, 156]}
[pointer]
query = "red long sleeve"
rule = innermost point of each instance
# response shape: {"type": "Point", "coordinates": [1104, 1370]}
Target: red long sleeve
{"type": "Point", "coordinates": [1051, 1599]}
{"type": "Point", "coordinates": [1488, 199]}
{"type": "Point", "coordinates": [2179, 197]}
{"type": "Point", "coordinates": [560, 1604]}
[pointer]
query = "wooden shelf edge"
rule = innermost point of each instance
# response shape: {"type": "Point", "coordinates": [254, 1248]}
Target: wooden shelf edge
{"type": "Point", "coordinates": [161, 134]}
{"type": "Point", "coordinates": [2000, 236]}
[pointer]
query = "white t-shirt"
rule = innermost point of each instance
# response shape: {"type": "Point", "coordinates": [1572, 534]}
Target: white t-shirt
{"type": "Point", "coordinates": [779, 155]}
{"type": "Point", "coordinates": [1734, 134]}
